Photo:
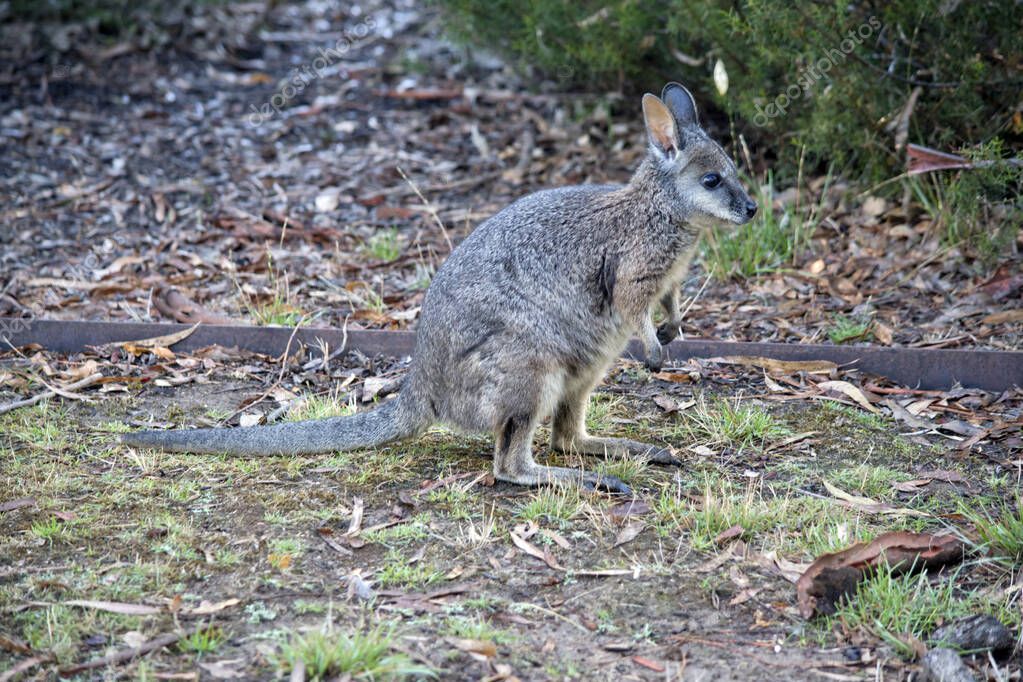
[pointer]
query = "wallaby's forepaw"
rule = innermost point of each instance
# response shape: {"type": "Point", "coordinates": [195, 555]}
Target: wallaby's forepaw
{"type": "Point", "coordinates": [663, 456]}
{"type": "Point", "coordinates": [605, 483]}
{"type": "Point", "coordinates": [667, 332]}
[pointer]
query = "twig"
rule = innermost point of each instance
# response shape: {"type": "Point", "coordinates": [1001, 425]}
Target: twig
{"type": "Point", "coordinates": [429, 208]}
{"type": "Point", "coordinates": [125, 655]}
{"type": "Point", "coordinates": [27, 664]}
{"type": "Point", "coordinates": [280, 376]}
{"type": "Point", "coordinates": [84, 383]}
{"type": "Point", "coordinates": [691, 302]}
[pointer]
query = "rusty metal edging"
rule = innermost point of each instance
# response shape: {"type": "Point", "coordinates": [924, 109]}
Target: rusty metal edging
{"type": "Point", "coordinates": [923, 368]}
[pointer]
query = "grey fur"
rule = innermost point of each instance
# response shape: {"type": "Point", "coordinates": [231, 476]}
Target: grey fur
{"type": "Point", "coordinates": [526, 315]}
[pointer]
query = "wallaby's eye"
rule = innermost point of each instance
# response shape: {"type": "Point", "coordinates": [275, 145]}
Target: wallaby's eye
{"type": "Point", "coordinates": [711, 180]}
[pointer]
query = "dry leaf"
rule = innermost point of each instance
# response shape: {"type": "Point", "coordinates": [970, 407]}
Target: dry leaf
{"type": "Point", "coordinates": [11, 505]}
{"type": "Point", "coordinates": [674, 377]}
{"type": "Point", "coordinates": [783, 366]}
{"type": "Point", "coordinates": [480, 649]}
{"type": "Point", "coordinates": [789, 570]}
{"type": "Point", "coordinates": [165, 341]}
{"type": "Point", "coordinates": [865, 504]}
{"type": "Point", "coordinates": [629, 532]}
{"type": "Point", "coordinates": [224, 670]}
{"type": "Point", "coordinates": [205, 608]}
{"type": "Point", "coordinates": [851, 391]}
{"type": "Point", "coordinates": [729, 534]}
{"type": "Point", "coordinates": [518, 536]}
{"type": "Point", "coordinates": [116, 607]}
{"type": "Point", "coordinates": [1004, 317]}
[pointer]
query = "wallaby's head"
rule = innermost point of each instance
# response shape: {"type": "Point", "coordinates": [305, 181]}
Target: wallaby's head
{"type": "Point", "coordinates": [697, 176]}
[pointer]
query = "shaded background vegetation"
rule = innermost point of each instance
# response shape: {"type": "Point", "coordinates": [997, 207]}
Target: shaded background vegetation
{"type": "Point", "coordinates": [852, 112]}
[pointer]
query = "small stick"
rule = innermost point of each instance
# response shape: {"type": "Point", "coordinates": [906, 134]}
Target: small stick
{"type": "Point", "coordinates": [124, 655]}
{"type": "Point", "coordinates": [27, 664]}
{"type": "Point", "coordinates": [429, 208]}
{"type": "Point", "coordinates": [689, 307]}
{"type": "Point", "coordinates": [280, 376]}
{"type": "Point", "coordinates": [84, 383]}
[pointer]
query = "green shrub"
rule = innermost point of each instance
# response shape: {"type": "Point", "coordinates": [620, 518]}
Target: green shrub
{"type": "Point", "coordinates": [978, 210]}
{"type": "Point", "coordinates": [832, 77]}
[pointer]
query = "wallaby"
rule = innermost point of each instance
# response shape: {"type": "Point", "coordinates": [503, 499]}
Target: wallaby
{"type": "Point", "coordinates": [527, 313]}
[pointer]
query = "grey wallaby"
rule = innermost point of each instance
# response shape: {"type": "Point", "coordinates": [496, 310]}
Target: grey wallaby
{"type": "Point", "coordinates": [527, 313]}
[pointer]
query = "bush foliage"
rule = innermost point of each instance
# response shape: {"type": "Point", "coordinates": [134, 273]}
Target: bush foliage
{"type": "Point", "coordinates": [833, 77]}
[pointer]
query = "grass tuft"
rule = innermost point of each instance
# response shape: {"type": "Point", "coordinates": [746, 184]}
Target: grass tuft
{"type": "Point", "coordinates": [1000, 532]}
{"type": "Point", "coordinates": [384, 245]}
{"type": "Point", "coordinates": [896, 607]}
{"type": "Point", "coordinates": [729, 423]}
{"type": "Point", "coordinates": [203, 641]}
{"type": "Point", "coordinates": [554, 504]}
{"type": "Point", "coordinates": [844, 329]}
{"type": "Point", "coordinates": [367, 655]}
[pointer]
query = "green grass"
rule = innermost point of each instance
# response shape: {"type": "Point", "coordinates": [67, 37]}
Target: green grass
{"type": "Point", "coordinates": [1000, 529]}
{"type": "Point", "coordinates": [629, 469]}
{"type": "Point", "coordinates": [49, 530]}
{"type": "Point", "coordinates": [459, 502]}
{"type": "Point", "coordinates": [202, 641]}
{"type": "Point", "coordinates": [844, 329]}
{"type": "Point", "coordinates": [872, 481]}
{"type": "Point", "coordinates": [602, 409]}
{"type": "Point", "coordinates": [323, 407]}
{"type": "Point", "coordinates": [730, 423]}
{"type": "Point", "coordinates": [42, 426]}
{"type": "Point", "coordinates": [414, 529]}
{"type": "Point", "coordinates": [477, 628]}
{"type": "Point", "coordinates": [326, 654]}
{"type": "Point", "coordinates": [384, 245]}
{"type": "Point", "coordinates": [552, 504]}
{"type": "Point", "coordinates": [60, 629]}
{"type": "Point", "coordinates": [722, 509]}
{"type": "Point", "coordinates": [396, 571]}
{"type": "Point", "coordinates": [773, 240]}
{"type": "Point", "coordinates": [275, 308]}
{"type": "Point", "coordinates": [890, 606]}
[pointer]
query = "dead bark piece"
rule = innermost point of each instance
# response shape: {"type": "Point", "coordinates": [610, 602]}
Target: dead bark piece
{"type": "Point", "coordinates": [944, 665]}
{"type": "Point", "coordinates": [974, 633]}
{"type": "Point", "coordinates": [832, 576]}
{"type": "Point", "coordinates": [11, 505]}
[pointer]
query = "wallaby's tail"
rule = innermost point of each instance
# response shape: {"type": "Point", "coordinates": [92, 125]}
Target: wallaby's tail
{"type": "Point", "coordinates": [391, 421]}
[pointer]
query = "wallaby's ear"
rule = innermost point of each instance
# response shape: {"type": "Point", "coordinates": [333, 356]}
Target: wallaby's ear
{"type": "Point", "coordinates": [660, 126]}
{"type": "Point", "coordinates": [682, 105]}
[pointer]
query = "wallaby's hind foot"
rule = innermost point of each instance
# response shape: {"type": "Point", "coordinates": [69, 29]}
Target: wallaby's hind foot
{"type": "Point", "coordinates": [568, 434]}
{"type": "Point", "coordinates": [621, 448]}
{"type": "Point", "coordinates": [514, 463]}
{"type": "Point", "coordinates": [538, 475]}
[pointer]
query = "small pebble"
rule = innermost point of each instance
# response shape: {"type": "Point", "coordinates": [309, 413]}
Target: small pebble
{"type": "Point", "coordinates": [974, 633]}
{"type": "Point", "coordinates": [944, 665]}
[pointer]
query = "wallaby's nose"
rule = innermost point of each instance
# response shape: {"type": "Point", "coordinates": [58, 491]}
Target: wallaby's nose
{"type": "Point", "coordinates": [751, 209]}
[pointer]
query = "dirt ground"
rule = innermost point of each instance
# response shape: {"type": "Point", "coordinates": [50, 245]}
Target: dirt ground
{"type": "Point", "coordinates": [686, 583]}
